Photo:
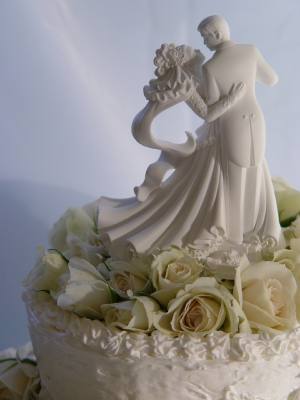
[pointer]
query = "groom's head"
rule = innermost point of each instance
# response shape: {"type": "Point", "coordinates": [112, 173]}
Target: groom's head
{"type": "Point", "coordinates": [214, 30]}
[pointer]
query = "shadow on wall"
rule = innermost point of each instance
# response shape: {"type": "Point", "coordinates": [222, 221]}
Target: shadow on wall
{"type": "Point", "coordinates": [28, 211]}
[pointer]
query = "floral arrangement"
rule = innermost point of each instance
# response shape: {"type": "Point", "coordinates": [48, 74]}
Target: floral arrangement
{"type": "Point", "coordinates": [19, 374]}
{"type": "Point", "coordinates": [173, 292]}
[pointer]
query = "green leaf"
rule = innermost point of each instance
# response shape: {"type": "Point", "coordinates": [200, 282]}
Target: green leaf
{"type": "Point", "coordinates": [28, 361]}
{"type": "Point", "coordinates": [152, 287]}
{"type": "Point", "coordinates": [8, 359]}
{"type": "Point", "coordinates": [287, 222]}
{"type": "Point", "coordinates": [95, 226]}
{"type": "Point", "coordinates": [64, 258]}
{"type": "Point", "coordinates": [11, 363]}
{"type": "Point", "coordinates": [140, 293]}
{"type": "Point", "coordinates": [107, 267]}
{"type": "Point", "coordinates": [113, 295]}
{"type": "Point", "coordinates": [80, 316]}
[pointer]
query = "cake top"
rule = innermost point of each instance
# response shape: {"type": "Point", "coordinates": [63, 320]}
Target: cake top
{"type": "Point", "coordinates": [202, 251]}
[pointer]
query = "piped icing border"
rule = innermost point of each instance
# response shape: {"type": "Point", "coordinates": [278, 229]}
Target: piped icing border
{"type": "Point", "coordinates": [241, 347]}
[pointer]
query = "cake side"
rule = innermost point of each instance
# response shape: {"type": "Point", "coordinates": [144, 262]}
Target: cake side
{"type": "Point", "coordinates": [95, 362]}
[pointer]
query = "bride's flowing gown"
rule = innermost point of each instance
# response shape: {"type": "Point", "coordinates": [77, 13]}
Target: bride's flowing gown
{"type": "Point", "coordinates": [191, 208]}
{"type": "Point", "coordinates": [188, 210]}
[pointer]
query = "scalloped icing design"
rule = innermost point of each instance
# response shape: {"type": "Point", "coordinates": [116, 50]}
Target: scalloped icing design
{"type": "Point", "coordinates": [216, 346]}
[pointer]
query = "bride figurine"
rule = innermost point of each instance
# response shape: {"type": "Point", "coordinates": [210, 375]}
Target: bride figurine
{"type": "Point", "coordinates": [194, 207]}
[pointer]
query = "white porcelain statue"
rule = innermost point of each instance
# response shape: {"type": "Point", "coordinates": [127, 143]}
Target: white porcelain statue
{"type": "Point", "coordinates": [220, 195]}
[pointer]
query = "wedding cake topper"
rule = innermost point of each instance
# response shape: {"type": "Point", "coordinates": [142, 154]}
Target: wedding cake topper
{"type": "Point", "coordinates": [220, 196]}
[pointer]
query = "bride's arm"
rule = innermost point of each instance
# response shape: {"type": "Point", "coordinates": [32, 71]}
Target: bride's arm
{"type": "Point", "coordinates": [214, 111]}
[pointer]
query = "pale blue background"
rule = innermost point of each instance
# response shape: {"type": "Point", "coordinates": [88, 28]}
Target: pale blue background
{"type": "Point", "coordinates": [71, 79]}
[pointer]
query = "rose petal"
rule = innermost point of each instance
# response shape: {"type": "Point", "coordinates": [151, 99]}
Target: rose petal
{"type": "Point", "coordinates": [15, 380]}
{"type": "Point", "coordinates": [269, 270]}
{"type": "Point", "coordinates": [82, 270]}
{"type": "Point", "coordinates": [258, 294]}
{"type": "Point", "coordinates": [256, 314]}
{"type": "Point", "coordinates": [88, 293]}
{"type": "Point", "coordinates": [295, 245]}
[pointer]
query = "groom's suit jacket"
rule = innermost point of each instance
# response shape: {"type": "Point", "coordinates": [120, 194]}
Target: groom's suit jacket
{"type": "Point", "coordinates": [242, 127]}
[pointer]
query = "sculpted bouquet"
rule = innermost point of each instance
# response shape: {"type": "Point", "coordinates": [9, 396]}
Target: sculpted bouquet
{"type": "Point", "coordinates": [171, 292]}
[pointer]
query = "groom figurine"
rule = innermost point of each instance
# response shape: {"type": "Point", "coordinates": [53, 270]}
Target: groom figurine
{"type": "Point", "coordinates": [242, 128]}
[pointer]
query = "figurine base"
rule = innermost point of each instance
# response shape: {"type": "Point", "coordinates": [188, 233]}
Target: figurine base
{"type": "Point", "coordinates": [226, 257]}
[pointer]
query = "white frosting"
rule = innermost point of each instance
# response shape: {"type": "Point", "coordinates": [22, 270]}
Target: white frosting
{"type": "Point", "coordinates": [83, 359]}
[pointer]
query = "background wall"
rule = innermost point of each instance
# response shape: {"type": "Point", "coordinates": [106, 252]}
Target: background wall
{"type": "Point", "coordinates": [71, 79]}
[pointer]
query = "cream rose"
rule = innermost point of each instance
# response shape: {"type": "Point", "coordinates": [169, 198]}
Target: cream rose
{"type": "Point", "coordinates": [86, 245]}
{"type": "Point", "coordinates": [293, 231]}
{"type": "Point", "coordinates": [201, 308]}
{"type": "Point", "coordinates": [132, 276]}
{"type": "Point", "coordinates": [85, 291]}
{"type": "Point", "coordinates": [134, 315]}
{"type": "Point", "coordinates": [291, 259]}
{"type": "Point", "coordinates": [19, 377]}
{"type": "Point", "coordinates": [47, 271]}
{"type": "Point", "coordinates": [268, 291]}
{"type": "Point", "coordinates": [295, 245]}
{"type": "Point", "coordinates": [170, 271]}
{"type": "Point", "coordinates": [288, 200]}
{"type": "Point", "coordinates": [74, 219]}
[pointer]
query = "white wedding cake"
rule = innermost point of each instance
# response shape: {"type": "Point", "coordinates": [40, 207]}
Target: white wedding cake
{"type": "Point", "coordinates": [148, 347]}
{"type": "Point", "coordinates": [191, 288]}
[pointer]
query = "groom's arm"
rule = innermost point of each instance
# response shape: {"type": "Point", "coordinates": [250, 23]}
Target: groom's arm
{"type": "Point", "coordinates": [210, 87]}
{"type": "Point", "coordinates": [264, 73]}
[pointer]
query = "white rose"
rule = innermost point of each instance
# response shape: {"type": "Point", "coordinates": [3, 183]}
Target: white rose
{"type": "Point", "coordinates": [85, 291]}
{"type": "Point", "coordinates": [134, 315]}
{"type": "Point", "coordinates": [268, 290]}
{"type": "Point", "coordinates": [292, 231]}
{"type": "Point", "coordinates": [201, 308]}
{"type": "Point", "coordinates": [132, 276]}
{"type": "Point", "coordinates": [288, 200]}
{"type": "Point", "coordinates": [287, 257]}
{"type": "Point", "coordinates": [47, 271]}
{"type": "Point", "coordinates": [19, 377]}
{"type": "Point", "coordinates": [295, 245]}
{"type": "Point", "coordinates": [86, 245]}
{"type": "Point", "coordinates": [82, 219]}
{"type": "Point", "coordinates": [170, 271]}
{"type": "Point", "coordinates": [291, 259]}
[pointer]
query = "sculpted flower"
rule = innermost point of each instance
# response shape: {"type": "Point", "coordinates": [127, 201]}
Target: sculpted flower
{"type": "Point", "coordinates": [288, 200]}
{"type": "Point", "coordinates": [170, 271]}
{"type": "Point", "coordinates": [201, 308]}
{"type": "Point", "coordinates": [85, 291]}
{"type": "Point", "coordinates": [134, 315]}
{"type": "Point", "coordinates": [47, 271]}
{"type": "Point", "coordinates": [73, 219]}
{"type": "Point", "coordinates": [168, 56]}
{"type": "Point", "coordinates": [132, 276]}
{"type": "Point", "coordinates": [19, 377]}
{"type": "Point", "coordinates": [268, 290]}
